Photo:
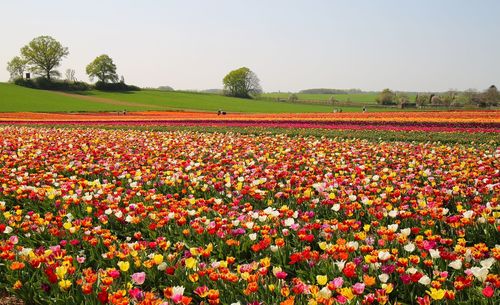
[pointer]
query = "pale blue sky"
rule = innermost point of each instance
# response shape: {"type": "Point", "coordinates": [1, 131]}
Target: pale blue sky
{"type": "Point", "coordinates": [425, 45]}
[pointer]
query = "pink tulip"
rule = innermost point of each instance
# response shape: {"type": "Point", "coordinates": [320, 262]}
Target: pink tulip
{"type": "Point", "coordinates": [358, 288]}
{"type": "Point", "coordinates": [139, 278]}
{"type": "Point", "coordinates": [281, 275]}
{"type": "Point", "coordinates": [338, 282]}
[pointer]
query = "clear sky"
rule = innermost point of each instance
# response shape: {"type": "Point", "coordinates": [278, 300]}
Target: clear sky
{"type": "Point", "coordinates": [424, 45]}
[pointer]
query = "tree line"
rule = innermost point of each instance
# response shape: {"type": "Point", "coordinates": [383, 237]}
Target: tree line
{"type": "Point", "coordinates": [487, 98]}
{"type": "Point", "coordinates": [43, 55]}
{"type": "Point", "coordinates": [330, 91]}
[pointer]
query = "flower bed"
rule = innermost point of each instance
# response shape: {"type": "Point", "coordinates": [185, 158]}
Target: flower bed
{"type": "Point", "coordinates": [99, 216]}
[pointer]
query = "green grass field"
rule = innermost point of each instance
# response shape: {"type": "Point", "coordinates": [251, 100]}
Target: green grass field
{"type": "Point", "coordinates": [15, 98]}
{"type": "Point", "coordinates": [356, 98]}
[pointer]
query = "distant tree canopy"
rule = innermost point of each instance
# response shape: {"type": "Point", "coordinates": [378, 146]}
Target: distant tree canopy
{"type": "Point", "coordinates": [386, 97]}
{"type": "Point", "coordinates": [242, 83]}
{"type": "Point", "coordinates": [293, 98]}
{"type": "Point", "coordinates": [330, 91]}
{"type": "Point", "coordinates": [491, 96]}
{"type": "Point", "coordinates": [103, 69]}
{"type": "Point", "coordinates": [165, 88]}
{"type": "Point", "coordinates": [16, 67]}
{"type": "Point", "coordinates": [43, 54]}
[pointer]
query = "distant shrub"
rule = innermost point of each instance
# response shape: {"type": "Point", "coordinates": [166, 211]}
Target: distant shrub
{"type": "Point", "coordinates": [293, 98]}
{"type": "Point", "coordinates": [25, 83]}
{"type": "Point", "coordinates": [115, 87]}
{"type": "Point", "coordinates": [422, 100]}
{"type": "Point", "coordinates": [165, 88]}
{"type": "Point", "coordinates": [436, 100]}
{"type": "Point", "coordinates": [332, 100]}
{"type": "Point", "coordinates": [48, 84]}
{"type": "Point", "coordinates": [386, 97]}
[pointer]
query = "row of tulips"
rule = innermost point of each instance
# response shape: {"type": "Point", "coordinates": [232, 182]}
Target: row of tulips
{"type": "Point", "coordinates": [94, 216]}
{"type": "Point", "coordinates": [405, 116]}
{"type": "Point", "coordinates": [469, 127]}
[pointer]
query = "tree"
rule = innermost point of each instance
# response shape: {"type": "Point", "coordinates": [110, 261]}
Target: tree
{"type": "Point", "coordinates": [436, 100]}
{"type": "Point", "coordinates": [422, 100]}
{"type": "Point", "coordinates": [491, 96]}
{"type": "Point", "coordinates": [332, 100]}
{"type": "Point", "coordinates": [293, 98]}
{"type": "Point", "coordinates": [449, 97]}
{"type": "Point", "coordinates": [386, 97]}
{"type": "Point", "coordinates": [241, 83]}
{"type": "Point", "coordinates": [70, 75]}
{"type": "Point", "coordinates": [16, 67]}
{"type": "Point", "coordinates": [44, 54]}
{"type": "Point", "coordinates": [103, 68]}
{"type": "Point", "coordinates": [403, 99]}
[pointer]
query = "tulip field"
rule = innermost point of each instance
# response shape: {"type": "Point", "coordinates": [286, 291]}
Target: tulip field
{"type": "Point", "coordinates": [95, 215]}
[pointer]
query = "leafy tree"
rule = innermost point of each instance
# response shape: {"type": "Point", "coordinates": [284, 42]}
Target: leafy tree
{"type": "Point", "coordinates": [403, 99]}
{"type": "Point", "coordinates": [44, 54]}
{"type": "Point", "coordinates": [436, 100]}
{"type": "Point", "coordinates": [491, 96]}
{"type": "Point", "coordinates": [386, 97]}
{"type": "Point", "coordinates": [422, 99]}
{"type": "Point", "coordinates": [470, 95]}
{"type": "Point", "coordinates": [241, 83]}
{"type": "Point", "coordinates": [293, 98]}
{"type": "Point", "coordinates": [103, 69]}
{"type": "Point", "coordinates": [16, 67]}
{"type": "Point", "coordinates": [449, 97]}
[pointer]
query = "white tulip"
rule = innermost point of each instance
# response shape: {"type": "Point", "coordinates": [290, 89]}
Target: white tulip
{"type": "Point", "coordinates": [434, 253]}
{"type": "Point", "coordinates": [456, 264]}
{"type": "Point", "coordinates": [289, 222]}
{"type": "Point", "coordinates": [487, 263]}
{"type": "Point", "coordinates": [424, 280]}
{"type": "Point", "coordinates": [480, 273]}
{"type": "Point", "coordinates": [410, 247]}
{"type": "Point", "coordinates": [384, 255]}
{"type": "Point", "coordinates": [336, 207]}
{"type": "Point", "coordinates": [384, 277]}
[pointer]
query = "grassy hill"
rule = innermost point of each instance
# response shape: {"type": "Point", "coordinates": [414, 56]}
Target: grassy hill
{"type": "Point", "coordinates": [15, 98]}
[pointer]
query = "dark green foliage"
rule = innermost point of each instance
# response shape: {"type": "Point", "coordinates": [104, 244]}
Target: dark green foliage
{"type": "Point", "coordinates": [386, 97]}
{"type": "Point", "coordinates": [43, 54]}
{"type": "Point", "coordinates": [103, 69]}
{"type": "Point", "coordinates": [242, 83]}
{"type": "Point", "coordinates": [115, 87]}
{"type": "Point", "coordinates": [50, 84]}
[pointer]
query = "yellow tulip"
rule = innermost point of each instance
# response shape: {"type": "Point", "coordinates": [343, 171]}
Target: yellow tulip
{"type": "Point", "coordinates": [61, 272]}
{"type": "Point", "coordinates": [347, 292]}
{"type": "Point", "coordinates": [64, 284]}
{"type": "Point", "coordinates": [190, 263]}
{"type": "Point", "coordinates": [322, 279]}
{"type": "Point", "coordinates": [194, 277]}
{"type": "Point", "coordinates": [436, 294]}
{"type": "Point", "coordinates": [124, 266]}
{"type": "Point", "coordinates": [158, 259]}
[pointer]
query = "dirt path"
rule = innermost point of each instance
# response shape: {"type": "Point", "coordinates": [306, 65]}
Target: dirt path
{"type": "Point", "coordinates": [108, 101]}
